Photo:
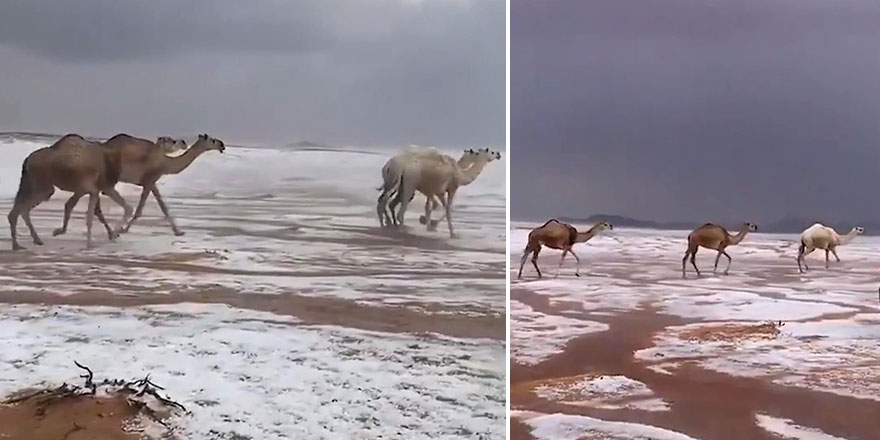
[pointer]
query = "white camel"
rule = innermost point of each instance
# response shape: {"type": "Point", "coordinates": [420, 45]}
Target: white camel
{"type": "Point", "coordinates": [392, 172]}
{"type": "Point", "coordinates": [440, 178]}
{"type": "Point", "coordinates": [820, 236]}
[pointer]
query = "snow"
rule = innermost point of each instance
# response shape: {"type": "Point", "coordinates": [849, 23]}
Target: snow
{"type": "Point", "coordinates": [606, 392]}
{"type": "Point", "coordinates": [571, 427]}
{"type": "Point", "coordinates": [264, 376]}
{"type": "Point", "coordinates": [789, 430]}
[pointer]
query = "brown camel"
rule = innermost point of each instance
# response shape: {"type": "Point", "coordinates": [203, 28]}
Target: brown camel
{"type": "Point", "coordinates": [557, 235]}
{"type": "Point", "coordinates": [70, 164]}
{"type": "Point", "coordinates": [712, 236]}
{"type": "Point", "coordinates": [133, 152]}
{"type": "Point", "coordinates": [144, 166]}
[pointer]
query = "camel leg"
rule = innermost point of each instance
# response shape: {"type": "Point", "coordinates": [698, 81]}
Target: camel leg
{"type": "Point", "coordinates": [426, 219]}
{"type": "Point", "coordinates": [90, 214]}
{"type": "Point", "coordinates": [559, 268]}
{"type": "Point", "coordinates": [729, 260]}
{"type": "Point", "coordinates": [68, 209]}
{"type": "Point", "coordinates": [687, 254]}
{"type": "Point", "coordinates": [826, 258]}
{"type": "Point", "coordinates": [140, 207]}
{"type": "Point", "coordinates": [126, 208]}
{"type": "Point", "coordinates": [717, 257]}
{"type": "Point", "coordinates": [111, 234]}
{"type": "Point", "coordinates": [522, 261]}
{"type": "Point", "coordinates": [577, 270]}
{"type": "Point", "coordinates": [26, 214]}
{"type": "Point", "coordinates": [404, 195]}
{"type": "Point", "coordinates": [834, 251]}
{"type": "Point", "coordinates": [165, 211]}
{"type": "Point", "coordinates": [447, 203]}
{"type": "Point", "coordinates": [800, 258]}
{"type": "Point", "coordinates": [694, 261]}
{"type": "Point", "coordinates": [535, 261]}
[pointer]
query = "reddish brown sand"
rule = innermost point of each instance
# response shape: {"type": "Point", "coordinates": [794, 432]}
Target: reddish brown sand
{"type": "Point", "coordinates": [82, 418]}
{"type": "Point", "coordinates": [311, 310]}
{"type": "Point", "coordinates": [703, 404]}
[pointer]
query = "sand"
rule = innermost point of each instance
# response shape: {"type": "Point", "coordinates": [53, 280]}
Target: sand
{"type": "Point", "coordinates": [761, 353]}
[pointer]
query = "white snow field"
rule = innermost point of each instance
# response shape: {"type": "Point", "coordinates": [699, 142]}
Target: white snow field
{"type": "Point", "coordinates": [819, 331]}
{"type": "Point", "coordinates": [267, 223]}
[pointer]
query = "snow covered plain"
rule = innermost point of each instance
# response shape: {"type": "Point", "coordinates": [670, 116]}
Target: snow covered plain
{"type": "Point", "coordinates": [815, 335]}
{"type": "Point", "coordinates": [205, 313]}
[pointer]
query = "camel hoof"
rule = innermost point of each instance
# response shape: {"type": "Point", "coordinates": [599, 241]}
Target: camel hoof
{"type": "Point", "coordinates": [577, 275]}
{"type": "Point", "coordinates": [59, 231]}
{"type": "Point", "coordinates": [179, 233]}
{"type": "Point", "coordinates": [423, 220]}
{"type": "Point", "coordinates": [18, 247]}
{"type": "Point", "coordinates": [113, 236]}
{"type": "Point", "coordinates": [453, 235]}
{"type": "Point", "coordinates": [725, 273]}
{"type": "Point", "coordinates": [38, 242]}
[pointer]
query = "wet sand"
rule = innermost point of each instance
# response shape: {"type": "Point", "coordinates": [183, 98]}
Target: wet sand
{"type": "Point", "coordinates": [83, 418]}
{"type": "Point", "coordinates": [701, 403]}
{"type": "Point", "coordinates": [309, 310]}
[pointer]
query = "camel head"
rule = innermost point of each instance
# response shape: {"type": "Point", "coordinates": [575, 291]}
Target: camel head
{"type": "Point", "coordinates": [858, 230]}
{"type": "Point", "coordinates": [749, 226]}
{"type": "Point", "coordinates": [471, 156]}
{"type": "Point", "coordinates": [209, 143]}
{"type": "Point", "coordinates": [601, 226]}
{"type": "Point", "coordinates": [170, 145]}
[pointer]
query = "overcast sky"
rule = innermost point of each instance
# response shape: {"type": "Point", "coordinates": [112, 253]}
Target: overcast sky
{"type": "Point", "coordinates": [367, 72]}
{"type": "Point", "coordinates": [695, 110]}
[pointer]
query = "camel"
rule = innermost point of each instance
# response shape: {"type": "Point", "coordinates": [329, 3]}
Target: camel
{"type": "Point", "coordinates": [440, 178]}
{"type": "Point", "coordinates": [71, 164]}
{"type": "Point", "coordinates": [144, 165]}
{"type": "Point", "coordinates": [392, 172]}
{"type": "Point", "coordinates": [820, 236]}
{"type": "Point", "coordinates": [712, 236]}
{"type": "Point", "coordinates": [558, 235]}
{"type": "Point", "coordinates": [469, 158]}
{"type": "Point", "coordinates": [133, 152]}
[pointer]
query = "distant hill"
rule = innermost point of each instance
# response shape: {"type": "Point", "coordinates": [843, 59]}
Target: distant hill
{"type": "Point", "coordinates": [308, 145]}
{"type": "Point", "coordinates": [784, 226]}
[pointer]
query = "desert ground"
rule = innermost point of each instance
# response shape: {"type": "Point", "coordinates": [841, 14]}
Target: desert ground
{"type": "Point", "coordinates": [630, 350]}
{"type": "Point", "coordinates": [284, 312]}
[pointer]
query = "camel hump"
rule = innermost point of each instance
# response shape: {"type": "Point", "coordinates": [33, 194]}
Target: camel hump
{"type": "Point", "coordinates": [572, 234]}
{"type": "Point", "coordinates": [552, 220]}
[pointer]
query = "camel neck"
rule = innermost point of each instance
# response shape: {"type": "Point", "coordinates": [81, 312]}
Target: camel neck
{"type": "Point", "coordinates": [175, 165]}
{"type": "Point", "coordinates": [848, 237]}
{"type": "Point", "coordinates": [469, 174]}
{"type": "Point", "coordinates": [736, 239]}
{"type": "Point", "coordinates": [584, 236]}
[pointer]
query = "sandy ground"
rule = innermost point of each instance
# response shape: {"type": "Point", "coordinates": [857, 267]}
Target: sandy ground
{"type": "Point", "coordinates": [284, 312]}
{"type": "Point", "coordinates": [631, 350]}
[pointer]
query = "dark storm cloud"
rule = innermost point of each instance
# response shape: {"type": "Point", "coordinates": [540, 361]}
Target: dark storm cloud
{"type": "Point", "coordinates": [695, 110]}
{"type": "Point", "coordinates": [359, 72]}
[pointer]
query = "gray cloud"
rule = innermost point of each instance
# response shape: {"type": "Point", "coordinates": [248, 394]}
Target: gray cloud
{"type": "Point", "coordinates": [364, 72]}
{"type": "Point", "coordinates": [683, 110]}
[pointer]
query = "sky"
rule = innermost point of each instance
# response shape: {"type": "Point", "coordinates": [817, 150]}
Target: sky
{"type": "Point", "coordinates": [367, 72]}
{"type": "Point", "coordinates": [695, 110]}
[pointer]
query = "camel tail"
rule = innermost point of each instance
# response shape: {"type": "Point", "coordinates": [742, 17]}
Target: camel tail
{"type": "Point", "coordinates": [24, 185]}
